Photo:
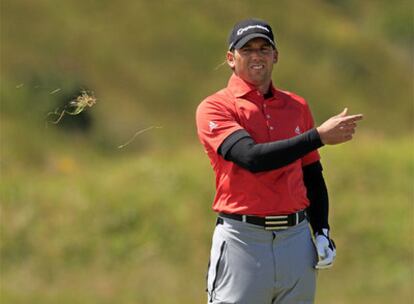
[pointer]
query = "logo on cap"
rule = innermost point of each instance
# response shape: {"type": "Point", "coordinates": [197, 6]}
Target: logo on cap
{"type": "Point", "coordinates": [243, 29]}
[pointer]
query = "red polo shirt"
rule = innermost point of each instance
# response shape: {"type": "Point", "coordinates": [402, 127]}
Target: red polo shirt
{"type": "Point", "coordinates": [242, 106]}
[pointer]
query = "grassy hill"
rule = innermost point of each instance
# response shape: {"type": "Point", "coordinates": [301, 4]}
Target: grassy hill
{"type": "Point", "coordinates": [85, 222]}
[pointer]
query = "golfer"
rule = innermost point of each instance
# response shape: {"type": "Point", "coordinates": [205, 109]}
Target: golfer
{"type": "Point", "coordinates": [262, 145]}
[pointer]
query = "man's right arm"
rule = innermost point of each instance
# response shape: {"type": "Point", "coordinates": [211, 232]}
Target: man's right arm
{"type": "Point", "coordinates": [240, 148]}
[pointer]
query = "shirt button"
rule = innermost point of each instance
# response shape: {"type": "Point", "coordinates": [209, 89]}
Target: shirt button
{"type": "Point", "coordinates": [268, 116]}
{"type": "Point", "coordinates": [264, 106]}
{"type": "Point", "coordinates": [258, 93]}
{"type": "Point", "coordinates": [271, 128]}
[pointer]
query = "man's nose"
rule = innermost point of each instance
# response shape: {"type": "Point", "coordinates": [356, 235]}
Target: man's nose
{"type": "Point", "coordinates": [256, 58]}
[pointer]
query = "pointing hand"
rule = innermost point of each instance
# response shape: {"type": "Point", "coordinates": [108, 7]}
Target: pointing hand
{"type": "Point", "coordinates": [339, 128]}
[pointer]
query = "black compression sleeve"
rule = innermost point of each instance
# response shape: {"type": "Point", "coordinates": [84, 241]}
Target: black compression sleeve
{"type": "Point", "coordinates": [241, 149]}
{"type": "Point", "coordinates": [317, 192]}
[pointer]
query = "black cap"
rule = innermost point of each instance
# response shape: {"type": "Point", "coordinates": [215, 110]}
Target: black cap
{"type": "Point", "coordinates": [248, 29]}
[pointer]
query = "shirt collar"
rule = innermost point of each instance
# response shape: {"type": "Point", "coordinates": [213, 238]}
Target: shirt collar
{"type": "Point", "coordinates": [240, 88]}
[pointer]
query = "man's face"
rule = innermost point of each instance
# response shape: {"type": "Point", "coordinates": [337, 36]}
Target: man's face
{"type": "Point", "coordinates": [254, 61]}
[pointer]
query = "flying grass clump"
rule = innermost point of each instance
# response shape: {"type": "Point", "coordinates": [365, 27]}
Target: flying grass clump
{"type": "Point", "coordinates": [75, 106]}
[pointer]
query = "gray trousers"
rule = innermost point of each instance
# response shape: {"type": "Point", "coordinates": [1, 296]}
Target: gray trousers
{"type": "Point", "coordinates": [250, 265]}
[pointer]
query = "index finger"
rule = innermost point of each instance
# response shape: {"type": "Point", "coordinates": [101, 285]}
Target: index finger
{"type": "Point", "coordinates": [352, 118]}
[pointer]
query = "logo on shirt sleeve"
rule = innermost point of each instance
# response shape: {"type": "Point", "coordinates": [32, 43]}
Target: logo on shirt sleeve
{"type": "Point", "coordinates": [298, 131]}
{"type": "Point", "coordinates": [212, 125]}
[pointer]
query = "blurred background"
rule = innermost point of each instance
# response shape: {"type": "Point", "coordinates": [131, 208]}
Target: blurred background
{"type": "Point", "coordinates": [83, 221]}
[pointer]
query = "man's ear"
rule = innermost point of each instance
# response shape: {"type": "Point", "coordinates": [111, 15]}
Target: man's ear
{"type": "Point", "coordinates": [230, 59]}
{"type": "Point", "coordinates": [276, 56]}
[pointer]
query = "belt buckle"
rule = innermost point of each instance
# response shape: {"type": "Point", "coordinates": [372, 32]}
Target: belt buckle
{"type": "Point", "coordinates": [276, 222]}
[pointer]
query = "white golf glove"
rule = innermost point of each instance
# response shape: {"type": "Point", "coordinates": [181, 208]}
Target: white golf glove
{"type": "Point", "coordinates": [326, 249]}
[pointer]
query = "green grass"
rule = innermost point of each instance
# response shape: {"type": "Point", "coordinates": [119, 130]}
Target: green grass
{"type": "Point", "coordinates": [371, 192]}
{"type": "Point", "coordinates": [81, 226]}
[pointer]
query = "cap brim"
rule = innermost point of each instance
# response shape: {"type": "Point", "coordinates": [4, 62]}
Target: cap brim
{"type": "Point", "coordinates": [239, 44]}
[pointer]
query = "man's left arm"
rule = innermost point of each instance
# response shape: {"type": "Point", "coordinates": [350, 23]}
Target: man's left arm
{"type": "Point", "coordinates": [318, 212]}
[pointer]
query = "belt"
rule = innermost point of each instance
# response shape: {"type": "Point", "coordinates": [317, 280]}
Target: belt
{"type": "Point", "coordinates": [271, 222]}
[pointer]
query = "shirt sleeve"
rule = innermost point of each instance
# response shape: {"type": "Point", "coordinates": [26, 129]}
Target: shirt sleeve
{"type": "Point", "coordinates": [215, 122]}
{"type": "Point", "coordinates": [313, 156]}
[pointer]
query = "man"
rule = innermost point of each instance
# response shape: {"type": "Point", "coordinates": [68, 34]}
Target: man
{"type": "Point", "coordinates": [262, 145]}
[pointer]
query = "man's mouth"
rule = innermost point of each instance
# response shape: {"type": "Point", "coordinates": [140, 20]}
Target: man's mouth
{"type": "Point", "coordinates": [257, 66]}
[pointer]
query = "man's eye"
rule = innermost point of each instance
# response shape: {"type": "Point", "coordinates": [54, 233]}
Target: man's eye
{"type": "Point", "coordinates": [263, 50]}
